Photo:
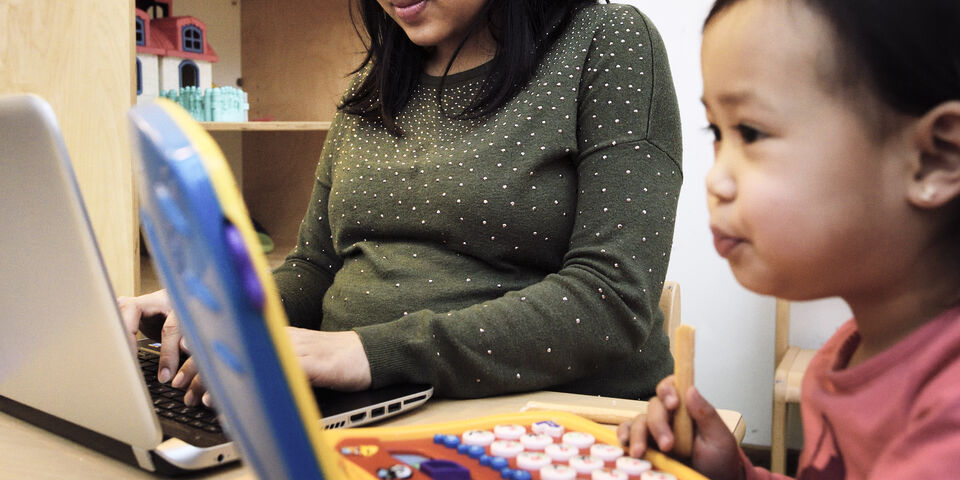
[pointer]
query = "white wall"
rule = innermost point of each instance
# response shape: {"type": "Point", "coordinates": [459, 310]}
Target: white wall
{"type": "Point", "coordinates": [734, 344]}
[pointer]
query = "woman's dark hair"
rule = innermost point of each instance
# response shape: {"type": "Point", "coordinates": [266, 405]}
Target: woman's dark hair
{"type": "Point", "coordinates": [908, 51]}
{"type": "Point", "coordinates": [523, 31]}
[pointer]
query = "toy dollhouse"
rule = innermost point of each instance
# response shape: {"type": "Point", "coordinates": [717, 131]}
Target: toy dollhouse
{"type": "Point", "coordinates": [172, 52]}
{"type": "Point", "coordinates": [175, 61]}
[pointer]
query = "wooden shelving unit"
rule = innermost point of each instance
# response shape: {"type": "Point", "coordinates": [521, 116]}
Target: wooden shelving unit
{"type": "Point", "coordinates": [295, 60]}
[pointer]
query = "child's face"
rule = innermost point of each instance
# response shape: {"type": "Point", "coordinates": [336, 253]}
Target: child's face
{"type": "Point", "coordinates": [801, 190]}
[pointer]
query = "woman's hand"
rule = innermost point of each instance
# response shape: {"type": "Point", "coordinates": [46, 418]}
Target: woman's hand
{"type": "Point", "coordinates": [334, 360]}
{"type": "Point", "coordinates": [153, 315]}
{"type": "Point", "coordinates": [330, 359]}
{"type": "Point", "coordinates": [715, 450]}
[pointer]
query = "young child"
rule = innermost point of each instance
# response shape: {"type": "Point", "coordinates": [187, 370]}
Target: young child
{"type": "Point", "coordinates": [837, 173]}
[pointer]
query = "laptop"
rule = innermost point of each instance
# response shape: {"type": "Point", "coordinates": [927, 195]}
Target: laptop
{"type": "Point", "coordinates": [65, 362]}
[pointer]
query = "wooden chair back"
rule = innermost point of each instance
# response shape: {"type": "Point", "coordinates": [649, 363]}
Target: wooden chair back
{"type": "Point", "coordinates": [670, 305]}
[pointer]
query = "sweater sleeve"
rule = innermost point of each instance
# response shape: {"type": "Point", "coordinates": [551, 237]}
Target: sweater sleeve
{"type": "Point", "coordinates": [308, 270]}
{"type": "Point", "coordinates": [599, 311]}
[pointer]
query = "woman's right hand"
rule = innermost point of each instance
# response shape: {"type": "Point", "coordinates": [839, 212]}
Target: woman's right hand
{"type": "Point", "coordinates": [153, 315]}
{"type": "Point", "coordinates": [715, 450]}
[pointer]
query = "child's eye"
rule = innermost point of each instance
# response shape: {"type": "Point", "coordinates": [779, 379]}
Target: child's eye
{"type": "Point", "coordinates": [715, 130]}
{"type": "Point", "coordinates": [749, 134]}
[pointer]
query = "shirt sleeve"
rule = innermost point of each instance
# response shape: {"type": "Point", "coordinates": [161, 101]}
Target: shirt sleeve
{"type": "Point", "coordinates": [599, 310]}
{"type": "Point", "coordinates": [308, 270]}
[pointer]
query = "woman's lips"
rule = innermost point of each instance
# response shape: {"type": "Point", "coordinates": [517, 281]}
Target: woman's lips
{"type": "Point", "coordinates": [725, 244]}
{"type": "Point", "coordinates": [407, 10]}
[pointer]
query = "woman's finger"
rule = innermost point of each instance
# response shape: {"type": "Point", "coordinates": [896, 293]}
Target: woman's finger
{"type": "Point", "coordinates": [186, 374]}
{"type": "Point", "coordinates": [169, 349]}
{"type": "Point", "coordinates": [195, 391]}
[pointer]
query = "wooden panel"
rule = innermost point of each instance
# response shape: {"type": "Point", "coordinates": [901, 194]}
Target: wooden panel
{"type": "Point", "coordinates": [78, 55]}
{"type": "Point", "coordinates": [231, 144]}
{"type": "Point", "coordinates": [296, 56]}
{"type": "Point", "coordinates": [278, 173]}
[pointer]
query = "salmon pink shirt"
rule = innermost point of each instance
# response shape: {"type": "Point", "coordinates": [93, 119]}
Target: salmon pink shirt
{"type": "Point", "coordinates": [895, 416]}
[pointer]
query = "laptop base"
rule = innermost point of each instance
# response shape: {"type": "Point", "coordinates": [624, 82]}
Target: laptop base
{"type": "Point", "coordinates": [150, 461]}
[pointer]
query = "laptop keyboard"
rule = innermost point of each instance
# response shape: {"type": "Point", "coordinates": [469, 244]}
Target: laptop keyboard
{"type": "Point", "coordinates": [168, 401]}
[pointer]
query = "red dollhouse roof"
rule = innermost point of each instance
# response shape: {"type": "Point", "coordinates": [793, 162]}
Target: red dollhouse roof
{"type": "Point", "coordinates": [162, 37]}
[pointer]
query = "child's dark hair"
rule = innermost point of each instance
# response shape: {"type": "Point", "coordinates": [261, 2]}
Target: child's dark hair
{"type": "Point", "coordinates": [523, 30]}
{"type": "Point", "coordinates": [908, 51]}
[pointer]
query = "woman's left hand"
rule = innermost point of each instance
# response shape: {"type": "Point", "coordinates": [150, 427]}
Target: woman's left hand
{"type": "Point", "coordinates": [333, 360]}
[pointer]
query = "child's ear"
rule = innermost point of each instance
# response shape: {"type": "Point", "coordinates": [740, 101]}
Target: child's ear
{"type": "Point", "coordinates": [936, 174]}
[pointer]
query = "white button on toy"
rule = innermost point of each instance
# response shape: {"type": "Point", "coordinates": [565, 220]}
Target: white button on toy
{"type": "Point", "coordinates": [478, 437]}
{"type": "Point", "coordinates": [655, 475]}
{"type": "Point", "coordinates": [535, 441]}
{"type": "Point", "coordinates": [633, 466]}
{"type": "Point", "coordinates": [505, 448]}
{"type": "Point", "coordinates": [557, 472]}
{"type": "Point", "coordinates": [578, 439]}
{"type": "Point", "coordinates": [608, 475]}
{"type": "Point", "coordinates": [532, 461]}
{"type": "Point", "coordinates": [547, 427]}
{"type": "Point", "coordinates": [561, 453]}
{"type": "Point", "coordinates": [586, 463]}
{"type": "Point", "coordinates": [607, 452]}
{"type": "Point", "coordinates": [509, 431]}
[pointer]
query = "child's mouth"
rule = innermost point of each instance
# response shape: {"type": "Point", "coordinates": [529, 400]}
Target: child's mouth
{"type": "Point", "coordinates": [725, 244]}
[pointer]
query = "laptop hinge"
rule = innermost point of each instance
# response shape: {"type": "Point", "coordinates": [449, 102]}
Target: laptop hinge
{"type": "Point", "coordinates": [143, 459]}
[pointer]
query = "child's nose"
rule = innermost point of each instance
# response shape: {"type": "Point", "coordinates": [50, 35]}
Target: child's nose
{"type": "Point", "coordinates": [720, 184]}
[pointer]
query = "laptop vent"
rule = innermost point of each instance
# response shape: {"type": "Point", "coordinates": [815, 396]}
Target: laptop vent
{"type": "Point", "coordinates": [339, 424]}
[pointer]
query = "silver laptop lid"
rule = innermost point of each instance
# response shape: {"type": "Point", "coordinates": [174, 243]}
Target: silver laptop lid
{"type": "Point", "coordinates": [63, 348]}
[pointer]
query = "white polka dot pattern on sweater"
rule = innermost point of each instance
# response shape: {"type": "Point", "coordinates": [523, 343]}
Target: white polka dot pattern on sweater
{"type": "Point", "coordinates": [515, 252]}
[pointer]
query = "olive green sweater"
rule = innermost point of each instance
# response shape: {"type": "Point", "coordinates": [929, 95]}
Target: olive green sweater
{"type": "Point", "coordinates": [520, 252]}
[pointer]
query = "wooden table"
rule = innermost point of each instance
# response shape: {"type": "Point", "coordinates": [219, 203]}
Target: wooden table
{"type": "Point", "coordinates": [30, 452]}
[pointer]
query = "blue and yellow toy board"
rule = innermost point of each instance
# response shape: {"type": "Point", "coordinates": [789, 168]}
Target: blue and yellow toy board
{"type": "Point", "coordinates": [207, 254]}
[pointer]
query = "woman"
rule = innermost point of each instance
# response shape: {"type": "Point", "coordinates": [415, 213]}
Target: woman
{"type": "Point", "coordinates": [493, 208]}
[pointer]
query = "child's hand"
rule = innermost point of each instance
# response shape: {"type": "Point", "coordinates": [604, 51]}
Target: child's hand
{"type": "Point", "coordinates": [715, 450]}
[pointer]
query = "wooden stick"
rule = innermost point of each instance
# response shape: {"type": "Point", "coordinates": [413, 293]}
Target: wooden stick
{"type": "Point", "coordinates": [606, 416]}
{"type": "Point", "coordinates": [683, 379]}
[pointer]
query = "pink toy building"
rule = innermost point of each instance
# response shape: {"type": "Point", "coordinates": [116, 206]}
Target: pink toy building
{"type": "Point", "coordinates": [172, 52]}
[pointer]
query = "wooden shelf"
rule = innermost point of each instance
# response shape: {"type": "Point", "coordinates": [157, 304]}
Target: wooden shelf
{"type": "Point", "coordinates": [265, 126]}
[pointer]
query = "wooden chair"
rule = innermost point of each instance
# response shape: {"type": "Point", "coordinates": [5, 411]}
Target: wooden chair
{"type": "Point", "coordinates": [791, 363]}
{"type": "Point", "coordinates": [670, 305]}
